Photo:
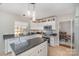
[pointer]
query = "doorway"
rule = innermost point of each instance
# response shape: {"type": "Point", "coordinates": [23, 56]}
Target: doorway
{"type": "Point", "coordinates": [65, 33]}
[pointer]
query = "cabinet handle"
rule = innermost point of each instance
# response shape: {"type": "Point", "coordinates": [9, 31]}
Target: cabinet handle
{"type": "Point", "coordinates": [39, 50]}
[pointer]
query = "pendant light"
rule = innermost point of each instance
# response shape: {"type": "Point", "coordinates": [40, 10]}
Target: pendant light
{"type": "Point", "coordinates": [33, 18]}
{"type": "Point", "coordinates": [31, 11]}
{"type": "Point", "coordinates": [28, 11]}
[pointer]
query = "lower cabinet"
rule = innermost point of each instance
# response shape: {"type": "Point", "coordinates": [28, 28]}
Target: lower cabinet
{"type": "Point", "coordinates": [39, 50]}
{"type": "Point", "coordinates": [54, 41]}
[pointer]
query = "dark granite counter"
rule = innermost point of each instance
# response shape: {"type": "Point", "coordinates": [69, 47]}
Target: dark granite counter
{"type": "Point", "coordinates": [31, 43]}
{"type": "Point", "coordinates": [8, 36]}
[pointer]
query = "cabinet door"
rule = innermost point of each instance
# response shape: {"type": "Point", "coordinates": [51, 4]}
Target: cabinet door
{"type": "Point", "coordinates": [56, 42]}
{"type": "Point", "coordinates": [52, 41]}
{"type": "Point", "coordinates": [36, 51]}
{"type": "Point", "coordinates": [53, 25]}
{"type": "Point", "coordinates": [43, 49]}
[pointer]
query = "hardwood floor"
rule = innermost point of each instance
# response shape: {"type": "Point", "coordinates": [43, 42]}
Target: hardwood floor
{"type": "Point", "coordinates": [60, 51]}
{"type": "Point", "coordinates": [2, 54]}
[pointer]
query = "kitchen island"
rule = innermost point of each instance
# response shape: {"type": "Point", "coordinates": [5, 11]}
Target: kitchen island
{"type": "Point", "coordinates": [36, 46]}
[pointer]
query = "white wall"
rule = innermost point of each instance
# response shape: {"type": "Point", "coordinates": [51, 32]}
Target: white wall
{"type": "Point", "coordinates": [1, 44]}
{"type": "Point", "coordinates": [65, 27]}
{"type": "Point", "coordinates": [65, 23]}
{"type": "Point", "coordinates": [7, 21]}
{"type": "Point", "coordinates": [76, 30]}
{"type": "Point", "coordinates": [57, 30]}
{"type": "Point", "coordinates": [6, 26]}
{"type": "Point", "coordinates": [65, 18]}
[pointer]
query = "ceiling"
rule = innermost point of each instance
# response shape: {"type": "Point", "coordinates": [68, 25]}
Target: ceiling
{"type": "Point", "coordinates": [42, 9]}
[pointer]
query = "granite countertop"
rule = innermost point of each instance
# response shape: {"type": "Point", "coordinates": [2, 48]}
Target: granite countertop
{"type": "Point", "coordinates": [8, 36]}
{"type": "Point", "coordinates": [31, 43]}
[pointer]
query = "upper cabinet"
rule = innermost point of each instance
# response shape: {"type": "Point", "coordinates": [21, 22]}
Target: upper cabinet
{"type": "Point", "coordinates": [40, 25]}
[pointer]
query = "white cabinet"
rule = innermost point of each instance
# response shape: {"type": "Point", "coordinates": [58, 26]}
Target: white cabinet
{"type": "Point", "coordinates": [40, 50]}
{"type": "Point", "coordinates": [41, 25]}
{"type": "Point", "coordinates": [53, 41]}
